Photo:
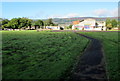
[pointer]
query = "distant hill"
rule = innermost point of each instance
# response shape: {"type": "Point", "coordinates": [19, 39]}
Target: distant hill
{"type": "Point", "coordinates": [68, 21]}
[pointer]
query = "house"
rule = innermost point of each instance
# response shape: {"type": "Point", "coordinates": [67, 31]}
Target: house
{"type": "Point", "coordinates": [76, 22]}
{"type": "Point", "coordinates": [89, 24]}
{"type": "Point", "coordinates": [55, 27]}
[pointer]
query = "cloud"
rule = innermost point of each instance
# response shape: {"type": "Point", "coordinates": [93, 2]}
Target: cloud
{"type": "Point", "coordinates": [101, 12]}
{"type": "Point", "coordinates": [95, 13]}
{"type": "Point", "coordinates": [69, 15]}
{"type": "Point", "coordinates": [114, 12]}
{"type": "Point", "coordinates": [106, 12]}
{"type": "Point", "coordinates": [72, 15]}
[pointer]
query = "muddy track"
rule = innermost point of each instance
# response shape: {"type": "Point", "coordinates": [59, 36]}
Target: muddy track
{"type": "Point", "coordinates": [91, 66]}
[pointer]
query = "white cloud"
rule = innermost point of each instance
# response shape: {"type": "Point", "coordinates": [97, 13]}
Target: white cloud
{"type": "Point", "coordinates": [114, 12]}
{"type": "Point", "coordinates": [106, 12]}
{"type": "Point", "coordinates": [65, 16]}
{"type": "Point", "coordinates": [96, 13]}
{"type": "Point", "coordinates": [54, 16]}
{"type": "Point", "coordinates": [72, 15]}
{"type": "Point", "coordinates": [101, 12]}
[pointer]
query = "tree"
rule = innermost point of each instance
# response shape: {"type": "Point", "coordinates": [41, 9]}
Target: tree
{"type": "Point", "coordinates": [1, 23]}
{"type": "Point", "coordinates": [118, 24]}
{"type": "Point", "coordinates": [69, 27]}
{"type": "Point", "coordinates": [49, 22]}
{"type": "Point", "coordinates": [114, 23]}
{"type": "Point", "coordinates": [45, 24]}
{"type": "Point", "coordinates": [6, 26]}
{"type": "Point", "coordinates": [29, 23]}
{"type": "Point", "coordinates": [38, 24]}
{"type": "Point", "coordinates": [21, 22]}
{"type": "Point", "coordinates": [24, 22]}
{"type": "Point", "coordinates": [108, 23]}
{"type": "Point", "coordinates": [14, 23]}
{"type": "Point", "coordinates": [34, 24]}
{"type": "Point", "coordinates": [5, 21]}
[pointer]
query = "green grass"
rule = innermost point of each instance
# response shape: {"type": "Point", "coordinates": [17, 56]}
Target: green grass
{"type": "Point", "coordinates": [40, 55]}
{"type": "Point", "coordinates": [111, 48]}
{"type": "Point", "coordinates": [113, 30]}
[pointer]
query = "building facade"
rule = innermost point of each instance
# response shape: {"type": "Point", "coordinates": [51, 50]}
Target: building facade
{"type": "Point", "coordinates": [89, 24]}
{"type": "Point", "coordinates": [55, 27]}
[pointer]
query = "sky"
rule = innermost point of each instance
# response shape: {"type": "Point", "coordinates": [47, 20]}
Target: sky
{"type": "Point", "coordinates": [60, 0]}
{"type": "Point", "coordinates": [44, 10]}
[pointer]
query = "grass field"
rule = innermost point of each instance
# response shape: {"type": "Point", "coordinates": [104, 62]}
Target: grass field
{"type": "Point", "coordinates": [111, 48]}
{"type": "Point", "coordinates": [40, 55]}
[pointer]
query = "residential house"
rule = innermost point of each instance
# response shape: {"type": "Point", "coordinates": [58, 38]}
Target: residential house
{"type": "Point", "coordinates": [54, 27]}
{"type": "Point", "coordinates": [89, 24]}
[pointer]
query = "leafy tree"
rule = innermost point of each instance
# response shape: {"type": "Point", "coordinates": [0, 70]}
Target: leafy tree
{"type": "Point", "coordinates": [14, 23]}
{"type": "Point", "coordinates": [119, 24]}
{"type": "Point", "coordinates": [1, 23]}
{"type": "Point", "coordinates": [109, 26]}
{"type": "Point", "coordinates": [5, 21]}
{"type": "Point", "coordinates": [29, 23]}
{"type": "Point", "coordinates": [21, 22]}
{"type": "Point", "coordinates": [24, 22]}
{"type": "Point", "coordinates": [49, 22]}
{"type": "Point", "coordinates": [5, 26]}
{"type": "Point", "coordinates": [69, 27]}
{"type": "Point", "coordinates": [108, 23]}
{"type": "Point", "coordinates": [45, 24]}
{"type": "Point", "coordinates": [114, 23]}
{"type": "Point", "coordinates": [55, 24]}
{"type": "Point", "coordinates": [38, 24]}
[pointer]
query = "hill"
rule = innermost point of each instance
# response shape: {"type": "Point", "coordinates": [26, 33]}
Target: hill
{"type": "Point", "coordinates": [68, 21]}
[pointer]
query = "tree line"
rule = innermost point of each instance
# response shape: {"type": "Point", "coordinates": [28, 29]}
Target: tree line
{"type": "Point", "coordinates": [18, 23]}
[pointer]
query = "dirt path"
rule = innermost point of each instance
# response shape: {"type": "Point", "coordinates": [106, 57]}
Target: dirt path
{"type": "Point", "coordinates": [91, 66]}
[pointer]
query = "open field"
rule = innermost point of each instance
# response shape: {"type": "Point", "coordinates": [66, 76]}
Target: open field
{"type": "Point", "coordinates": [51, 55]}
{"type": "Point", "coordinates": [111, 49]}
{"type": "Point", "coordinates": [40, 55]}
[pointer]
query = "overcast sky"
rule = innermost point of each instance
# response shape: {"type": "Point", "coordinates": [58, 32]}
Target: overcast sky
{"type": "Point", "coordinates": [44, 10]}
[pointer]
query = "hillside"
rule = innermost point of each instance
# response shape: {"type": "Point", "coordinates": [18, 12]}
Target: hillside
{"type": "Point", "coordinates": [67, 21]}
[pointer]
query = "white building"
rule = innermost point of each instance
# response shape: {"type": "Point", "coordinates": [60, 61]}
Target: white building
{"type": "Point", "coordinates": [55, 27]}
{"type": "Point", "coordinates": [89, 24]}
